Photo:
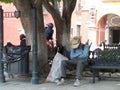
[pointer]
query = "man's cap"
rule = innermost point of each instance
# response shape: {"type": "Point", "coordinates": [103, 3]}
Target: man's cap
{"type": "Point", "coordinates": [75, 42]}
{"type": "Point", "coordinates": [22, 36]}
{"type": "Point", "coordinates": [50, 25]}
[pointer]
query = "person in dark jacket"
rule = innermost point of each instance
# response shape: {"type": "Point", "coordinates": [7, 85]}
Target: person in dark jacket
{"type": "Point", "coordinates": [49, 34]}
{"type": "Point", "coordinates": [22, 40]}
{"type": "Point", "coordinates": [49, 31]}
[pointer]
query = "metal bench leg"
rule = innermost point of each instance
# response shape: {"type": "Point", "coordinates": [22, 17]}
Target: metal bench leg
{"type": "Point", "coordinates": [98, 76]}
{"type": "Point", "coordinates": [11, 75]}
{"type": "Point", "coordinates": [93, 76]}
{"type": "Point", "coordinates": [9, 71]}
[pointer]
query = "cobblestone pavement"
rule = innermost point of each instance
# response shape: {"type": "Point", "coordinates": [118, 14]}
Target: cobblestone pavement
{"type": "Point", "coordinates": [24, 83]}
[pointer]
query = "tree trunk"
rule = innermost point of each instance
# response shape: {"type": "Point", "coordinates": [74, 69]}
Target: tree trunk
{"type": "Point", "coordinates": [42, 47]}
{"type": "Point", "coordinates": [62, 20]}
{"type": "Point", "coordinates": [26, 19]}
{"type": "Point", "coordinates": [62, 32]}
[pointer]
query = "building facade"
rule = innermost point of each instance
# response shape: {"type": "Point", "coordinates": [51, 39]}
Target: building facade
{"type": "Point", "coordinates": [12, 26]}
{"type": "Point", "coordinates": [97, 20]}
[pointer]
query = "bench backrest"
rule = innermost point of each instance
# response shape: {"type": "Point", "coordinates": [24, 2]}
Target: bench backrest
{"type": "Point", "coordinates": [17, 49]}
{"type": "Point", "coordinates": [14, 53]}
{"type": "Point", "coordinates": [13, 50]}
{"type": "Point", "coordinates": [113, 46]}
{"type": "Point", "coordinates": [108, 56]}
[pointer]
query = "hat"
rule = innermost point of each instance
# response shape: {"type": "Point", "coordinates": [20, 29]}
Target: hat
{"type": "Point", "coordinates": [22, 36]}
{"type": "Point", "coordinates": [50, 25]}
{"type": "Point", "coordinates": [75, 42]}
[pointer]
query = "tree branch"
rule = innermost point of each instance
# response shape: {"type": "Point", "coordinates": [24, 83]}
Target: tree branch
{"type": "Point", "coordinates": [68, 7]}
{"type": "Point", "coordinates": [51, 9]}
{"type": "Point", "coordinates": [72, 5]}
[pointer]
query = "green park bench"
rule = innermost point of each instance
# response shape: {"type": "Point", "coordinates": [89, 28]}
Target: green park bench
{"type": "Point", "coordinates": [107, 60]}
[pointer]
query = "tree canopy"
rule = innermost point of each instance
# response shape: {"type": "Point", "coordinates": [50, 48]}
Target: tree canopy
{"type": "Point", "coordinates": [6, 1]}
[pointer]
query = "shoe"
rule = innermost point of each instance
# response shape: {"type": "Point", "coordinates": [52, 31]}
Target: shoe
{"type": "Point", "coordinates": [60, 82]}
{"type": "Point", "coordinates": [77, 83]}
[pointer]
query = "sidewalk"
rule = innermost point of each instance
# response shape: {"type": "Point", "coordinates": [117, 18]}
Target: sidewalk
{"type": "Point", "coordinates": [24, 83]}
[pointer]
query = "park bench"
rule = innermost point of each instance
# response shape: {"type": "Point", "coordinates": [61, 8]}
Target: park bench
{"type": "Point", "coordinates": [14, 59]}
{"type": "Point", "coordinates": [71, 71]}
{"type": "Point", "coordinates": [107, 60]}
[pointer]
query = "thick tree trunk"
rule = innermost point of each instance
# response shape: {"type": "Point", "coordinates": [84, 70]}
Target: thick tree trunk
{"type": "Point", "coordinates": [66, 35]}
{"type": "Point", "coordinates": [63, 32]}
{"type": "Point", "coordinates": [26, 20]}
{"type": "Point", "coordinates": [42, 47]}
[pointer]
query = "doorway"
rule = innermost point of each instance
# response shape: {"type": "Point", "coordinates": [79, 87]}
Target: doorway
{"type": "Point", "coordinates": [115, 36]}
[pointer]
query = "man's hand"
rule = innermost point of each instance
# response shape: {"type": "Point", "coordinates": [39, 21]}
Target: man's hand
{"type": "Point", "coordinates": [87, 42]}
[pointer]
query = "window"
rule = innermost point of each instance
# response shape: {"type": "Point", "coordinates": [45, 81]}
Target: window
{"type": "Point", "coordinates": [92, 11]}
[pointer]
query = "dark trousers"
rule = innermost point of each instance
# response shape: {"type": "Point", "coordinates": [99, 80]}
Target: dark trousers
{"type": "Point", "coordinates": [77, 64]}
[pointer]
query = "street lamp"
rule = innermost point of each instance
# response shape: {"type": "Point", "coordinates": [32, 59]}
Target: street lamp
{"type": "Point", "coordinates": [17, 14]}
{"type": "Point", "coordinates": [2, 77]}
{"type": "Point", "coordinates": [34, 79]}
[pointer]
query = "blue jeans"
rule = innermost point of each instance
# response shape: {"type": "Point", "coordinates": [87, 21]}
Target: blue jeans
{"type": "Point", "coordinates": [77, 64]}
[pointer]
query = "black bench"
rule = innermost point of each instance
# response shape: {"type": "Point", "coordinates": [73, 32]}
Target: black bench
{"type": "Point", "coordinates": [15, 57]}
{"type": "Point", "coordinates": [107, 60]}
{"type": "Point", "coordinates": [65, 52]}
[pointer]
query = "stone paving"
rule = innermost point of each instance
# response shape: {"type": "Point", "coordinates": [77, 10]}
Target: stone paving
{"type": "Point", "coordinates": [24, 83]}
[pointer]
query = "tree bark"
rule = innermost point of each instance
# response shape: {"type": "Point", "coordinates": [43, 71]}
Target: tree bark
{"type": "Point", "coordinates": [25, 6]}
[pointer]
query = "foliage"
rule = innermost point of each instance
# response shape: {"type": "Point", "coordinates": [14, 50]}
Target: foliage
{"type": "Point", "coordinates": [6, 1]}
{"type": "Point", "coordinates": [9, 1]}
{"type": "Point", "coordinates": [53, 0]}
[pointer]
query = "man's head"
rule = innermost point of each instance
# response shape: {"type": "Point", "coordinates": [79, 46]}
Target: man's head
{"type": "Point", "coordinates": [22, 36]}
{"type": "Point", "coordinates": [50, 25]}
{"type": "Point", "coordinates": [75, 42]}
